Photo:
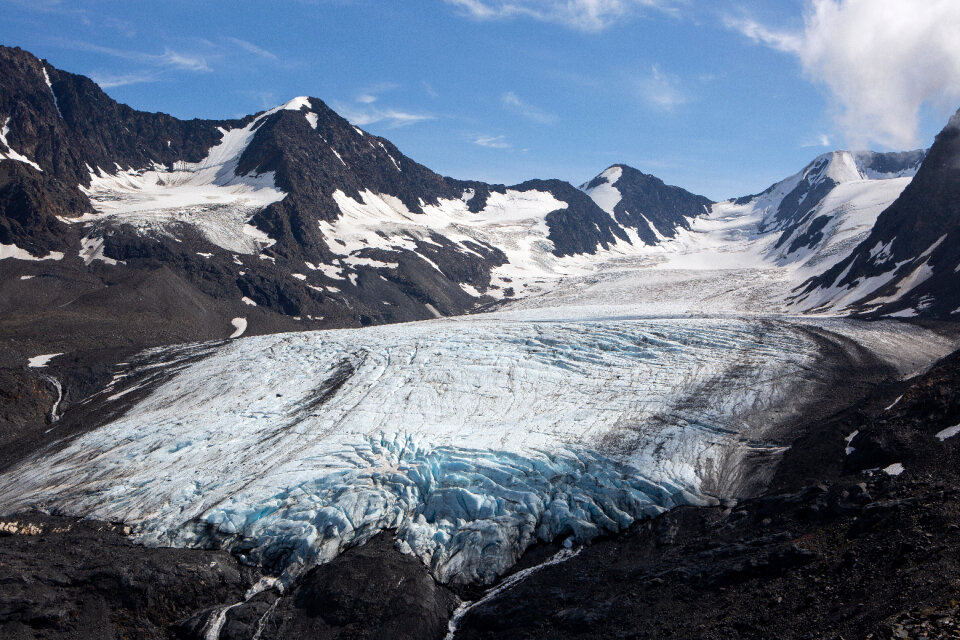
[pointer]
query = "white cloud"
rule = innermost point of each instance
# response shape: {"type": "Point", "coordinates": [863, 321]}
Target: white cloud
{"type": "Point", "coordinates": [662, 91]}
{"type": "Point", "coordinates": [880, 61]}
{"type": "Point", "coordinates": [109, 81]}
{"type": "Point", "coordinates": [586, 15]}
{"type": "Point", "coordinates": [781, 40]}
{"type": "Point", "coordinates": [186, 61]}
{"type": "Point", "coordinates": [513, 102]}
{"type": "Point", "coordinates": [364, 114]}
{"type": "Point", "coordinates": [365, 109]}
{"type": "Point", "coordinates": [249, 47]}
{"type": "Point", "coordinates": [821, 140]}
{"type": "Point", "coordinates": [493, 142]}
{"type": "Point", "coordinates": [169, 58]}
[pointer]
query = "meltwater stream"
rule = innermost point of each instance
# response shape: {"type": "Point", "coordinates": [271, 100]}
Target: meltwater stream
{"type": "Point", "coordinates": [472, 438]}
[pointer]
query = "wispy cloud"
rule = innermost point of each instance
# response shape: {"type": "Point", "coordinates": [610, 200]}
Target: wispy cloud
{"type": "Point", "coordinates": [662, 91]}
{"type": "Point", "coordinates": [169, 58]}
{"type": "Point", "coordinates": [367, 108]}
{"type": "Point", "coordinates": [780, 40]}
{"type": "Point", "coordinates": [364, 114]}
{"type": "Point", "coordinates": [109, 81]}
{"type": "Point", "coordinates": [178, 60]}
{"type": "Point", "coordinates": [52, 7]}
{"type": "Point", "coordinates": [821, 140]}
{"type": "Point", "coordinates": [880, 61]}
{"type": "Point", "coordinates": [430, 90]}
{"type": "Point", "coordinates": [492, 142]}
{"type": "Point", "coordinates": [514, 103]}
{"type": "Point", "coordinates": [249, 47]}
{"type": "Point", "coordinates": [585, 15]}
{"type": "Point", "coordinates": [125, 27]}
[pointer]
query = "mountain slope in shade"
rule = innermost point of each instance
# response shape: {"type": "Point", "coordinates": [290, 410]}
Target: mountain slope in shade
{"type": "Point", "coordinates": [644, 203]}
{"type": "Point", "coordinates": [908, 265]}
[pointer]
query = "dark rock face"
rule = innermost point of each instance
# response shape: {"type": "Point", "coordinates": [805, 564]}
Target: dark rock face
{"type": "Point", "coordinates": [915, 244]}
{"type": "Point", "coordinates": [582, 227]}
{"type": "Point", "coordinates": [30, 202]}
{"type": "Point", "coordinates": [369, 592]}
{"type": "Point", "coordinates": [68, 578]}
{"type": "Point", "coordinates": [72, 123]}
{"type": "Point", "coordinates": [646, 198]}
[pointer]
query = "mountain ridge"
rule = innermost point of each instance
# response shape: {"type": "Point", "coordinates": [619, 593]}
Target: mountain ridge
{"type": "Point", "coordinates": [322, 223]}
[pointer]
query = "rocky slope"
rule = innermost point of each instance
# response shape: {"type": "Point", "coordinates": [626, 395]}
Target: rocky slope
{"type": "Point", "coordinates": [909, 263]}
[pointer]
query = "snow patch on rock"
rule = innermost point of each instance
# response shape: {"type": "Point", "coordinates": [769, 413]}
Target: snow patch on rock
{"type": "Point", "coordinates": [208, 195]}
{"type": "Point", "coordinates": [42, 360]}
{"type": "Point", "coordinates": [239, 326]}
{"type": "Point", "coordinates": [949, 432]}
{"type": "Point", "coordinates": [10, 154]}
{"type": "Point", "coordinates": [13, 251]}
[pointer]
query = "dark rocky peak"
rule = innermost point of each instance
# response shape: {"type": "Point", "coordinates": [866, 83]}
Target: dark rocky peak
{"type": "Point", "coordinates": [66, 123]}
{"type": "Point", "coordinates": [315, 153]}
{"type": "Point", "coordinates": [644, 202]}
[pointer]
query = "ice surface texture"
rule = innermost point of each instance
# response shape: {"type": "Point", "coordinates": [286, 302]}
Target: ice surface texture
{"type": "Point", "coordinates": [472, 437]}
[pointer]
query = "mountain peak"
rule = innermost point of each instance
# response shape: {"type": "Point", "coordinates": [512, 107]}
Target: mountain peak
{"type": "Point", "coordinates": [644, 202]}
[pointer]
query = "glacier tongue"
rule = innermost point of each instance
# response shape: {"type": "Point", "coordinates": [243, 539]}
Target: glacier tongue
{"type": "Point", "coordinates": [473, 438]}
{"type": "Point", "coordinates": [468, 514]}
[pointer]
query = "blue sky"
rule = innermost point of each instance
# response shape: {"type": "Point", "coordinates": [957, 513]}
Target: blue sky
{"type": "Point", "coordinates": [720, 97]}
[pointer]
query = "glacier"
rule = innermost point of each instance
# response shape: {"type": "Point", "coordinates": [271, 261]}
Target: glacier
{"type": "Point", "coordinates": [472, 438]}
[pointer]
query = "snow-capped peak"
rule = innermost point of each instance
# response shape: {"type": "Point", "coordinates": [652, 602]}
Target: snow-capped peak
{"type": "Point", "coordinates": [849, 166]}
{"type": "Point", "coordinates": [296, 104]}
{"type": "Point", "coordinates": [838, 166]}
{"type": "Point", "coordinates": [602, 190]}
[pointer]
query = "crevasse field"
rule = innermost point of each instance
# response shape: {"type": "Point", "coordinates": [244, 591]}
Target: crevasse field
{"type": "Point", "coordinates": [473, 438]}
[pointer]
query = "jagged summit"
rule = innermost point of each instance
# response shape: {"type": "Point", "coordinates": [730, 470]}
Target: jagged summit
{"type": "Point", "coordinates": [644, 203]}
